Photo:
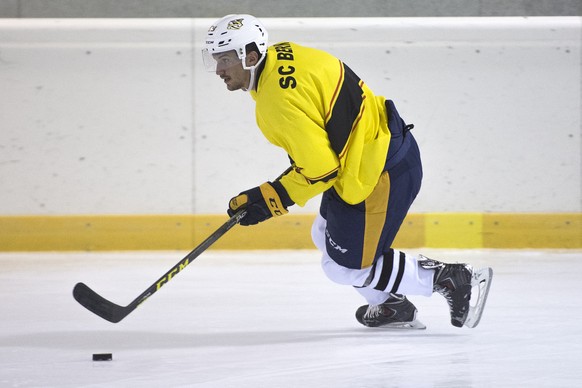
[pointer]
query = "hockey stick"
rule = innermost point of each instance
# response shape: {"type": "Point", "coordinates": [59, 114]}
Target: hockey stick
{"type": "Point", "coordinates": [115, 313]}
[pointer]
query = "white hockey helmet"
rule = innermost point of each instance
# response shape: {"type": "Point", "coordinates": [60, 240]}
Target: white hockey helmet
{"type": "Point", "coordinates": [234, 32]}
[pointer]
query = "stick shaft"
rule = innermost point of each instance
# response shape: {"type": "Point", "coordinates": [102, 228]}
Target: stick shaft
{"type": "Point", "coordinates": [204, 245]}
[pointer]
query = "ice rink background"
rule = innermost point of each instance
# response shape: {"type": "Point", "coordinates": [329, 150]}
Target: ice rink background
{"type": "Point", "coordinates": [272, 319]}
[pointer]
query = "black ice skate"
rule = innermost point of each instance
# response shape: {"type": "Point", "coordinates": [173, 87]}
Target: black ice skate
{"type": "Point", "coordinates": [455, 282]}
{"type": "Point", "coordinates": [396, 312]}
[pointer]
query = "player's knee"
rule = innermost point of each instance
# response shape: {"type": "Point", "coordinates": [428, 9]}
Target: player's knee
{"type": "Point", "coordinates": [343, 275]}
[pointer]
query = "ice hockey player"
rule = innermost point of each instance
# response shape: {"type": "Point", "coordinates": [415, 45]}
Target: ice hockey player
{"type": "Point", "coordinates": [351, 145]}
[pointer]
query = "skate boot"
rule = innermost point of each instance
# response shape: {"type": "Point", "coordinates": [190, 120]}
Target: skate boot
{"type": "Point", "coordinates": [396, 312]}
{"type": "Point", "coordinates": [453, 281]}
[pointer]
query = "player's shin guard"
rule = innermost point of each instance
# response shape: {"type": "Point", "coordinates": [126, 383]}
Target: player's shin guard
{"type": "Point", "coordinates": [398, 273]}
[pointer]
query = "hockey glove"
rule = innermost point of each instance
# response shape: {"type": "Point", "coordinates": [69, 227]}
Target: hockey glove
{"type": "Point", "coordinates": [262, 202]}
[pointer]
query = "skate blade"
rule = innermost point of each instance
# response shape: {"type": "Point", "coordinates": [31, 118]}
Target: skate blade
{"type": "Point", "coordinates": [412, 325]}
{"type": "Point", "coordinates": [480, 283]}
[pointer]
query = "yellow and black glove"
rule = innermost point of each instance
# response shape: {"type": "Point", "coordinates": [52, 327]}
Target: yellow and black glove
{"type": "Point", "coordinates": [262, 202]}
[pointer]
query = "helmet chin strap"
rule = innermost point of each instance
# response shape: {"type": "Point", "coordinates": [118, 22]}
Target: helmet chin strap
{"type": "Point", "coordinates": [253, 69]}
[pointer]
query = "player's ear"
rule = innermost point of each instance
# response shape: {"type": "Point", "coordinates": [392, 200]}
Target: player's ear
{"type": "Point", "coordinates": [252, 58]}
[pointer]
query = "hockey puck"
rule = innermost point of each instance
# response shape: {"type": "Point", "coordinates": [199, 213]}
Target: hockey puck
{"type": "Point", "coordinates": [102, 357]}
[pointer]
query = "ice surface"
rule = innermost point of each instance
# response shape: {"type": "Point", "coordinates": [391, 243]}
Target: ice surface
{"type": "Point", "coordinates": [272, 319]}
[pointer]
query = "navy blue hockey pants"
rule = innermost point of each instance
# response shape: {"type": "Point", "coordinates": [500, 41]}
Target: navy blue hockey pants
{"type": "Point", "coordinates": [357, 235]}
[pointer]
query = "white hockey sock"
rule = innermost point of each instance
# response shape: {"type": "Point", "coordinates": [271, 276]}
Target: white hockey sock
{"type": "Point", "coordinates": [394, 272]}
{"type": "Point", "coordinates": [373, 297]}
{"type": "Point", "coordinates": [397, 272]}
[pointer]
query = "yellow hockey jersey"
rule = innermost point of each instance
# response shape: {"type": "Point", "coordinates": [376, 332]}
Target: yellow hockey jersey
{"type": "Point", "coordinates": [327, 120]}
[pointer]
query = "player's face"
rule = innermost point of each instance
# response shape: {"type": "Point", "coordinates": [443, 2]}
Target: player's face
{"type": "Point", "coordinates": [229, 68]}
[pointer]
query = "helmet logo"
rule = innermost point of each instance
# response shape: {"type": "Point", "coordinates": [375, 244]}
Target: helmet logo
{"type": "Point", "coordinates": [235, 24]}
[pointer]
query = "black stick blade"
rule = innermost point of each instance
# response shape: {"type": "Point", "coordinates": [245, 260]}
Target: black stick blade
{"type": "Point", "coordinates": [99, 305]}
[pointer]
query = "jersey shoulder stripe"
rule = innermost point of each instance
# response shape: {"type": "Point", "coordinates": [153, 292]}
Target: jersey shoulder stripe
{"type": "Point", "coordinates": [346, 110]}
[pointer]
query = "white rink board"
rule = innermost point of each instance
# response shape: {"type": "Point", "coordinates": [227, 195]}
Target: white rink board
{"type": "Point", "coordinates": [103, 116]}
{"type": "Point", "coordinates": [265, 319]}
